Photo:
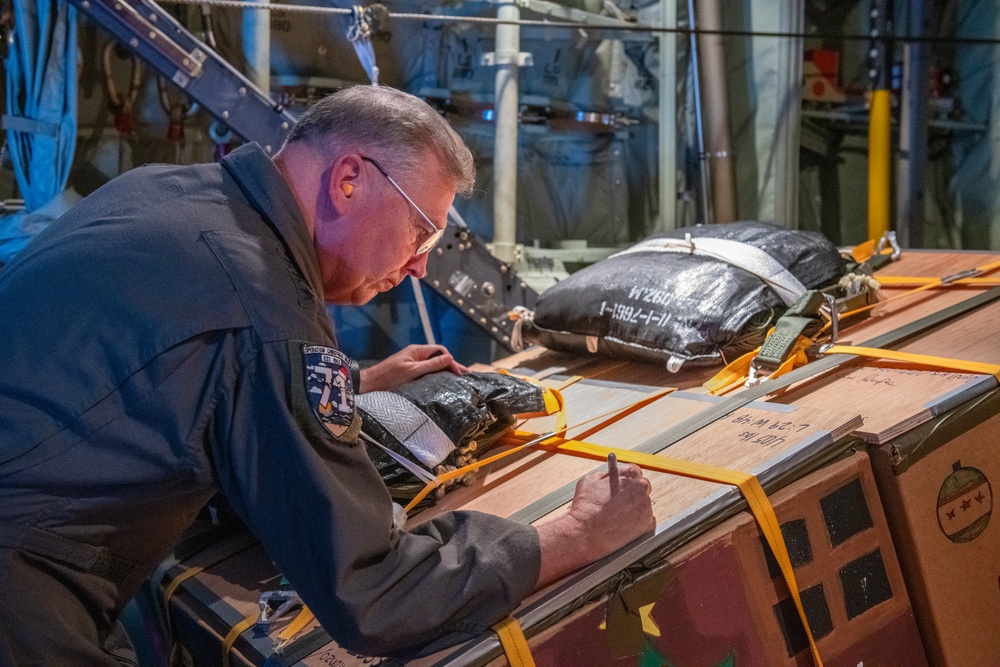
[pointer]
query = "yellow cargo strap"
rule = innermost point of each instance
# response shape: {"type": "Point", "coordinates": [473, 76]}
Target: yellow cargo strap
{"type": "Point", "coordinates": [169, 591]}
{"type": "Point", "coordinates": [234, 634]}
{"type": "Point", "coordinates": [748, 485]}
{"type": "Point", "coordinates": [515, 646]}
{"type": "Point", "coordinates": [298, 624]}
{"type": "Point", "coordinates": [932, 284]}
{"type": "Point", "coordinates": [171, 588]}
{"type": "Point", "coordinates": [735, 374]}
{"type": "Point", "coordinates": [917, 281]}
{"type": "Point", "coordinates": [561, 427]}
{"type": "Point", "coordinates": [922, 360]}
{"type": "Point", "coordinates": [551, 396]}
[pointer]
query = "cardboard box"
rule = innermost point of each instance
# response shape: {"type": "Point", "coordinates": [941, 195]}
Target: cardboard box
{"type": "Point", "coordinates": [936, 486]}
{"type": "Point", "coordinates": [724, 602]}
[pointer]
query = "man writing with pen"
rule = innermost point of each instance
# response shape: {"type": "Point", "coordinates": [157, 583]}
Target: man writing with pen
{"type": "Point", "coordinates": [158, 341]}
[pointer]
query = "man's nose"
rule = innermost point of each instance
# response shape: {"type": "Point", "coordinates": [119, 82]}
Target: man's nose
{"type": "Point", "coordinates": [417, 266]}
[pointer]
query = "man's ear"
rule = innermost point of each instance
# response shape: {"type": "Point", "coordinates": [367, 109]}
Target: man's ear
{"type": "Point", "coordinates": [344, 183]}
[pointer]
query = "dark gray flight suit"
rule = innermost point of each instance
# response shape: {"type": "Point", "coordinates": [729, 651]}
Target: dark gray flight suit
{"type": "Point", "coordinates": [151, 353]}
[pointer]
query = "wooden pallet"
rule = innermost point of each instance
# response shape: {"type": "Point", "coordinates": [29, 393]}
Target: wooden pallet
{"type": "Point", "coordinates": [779, 438]}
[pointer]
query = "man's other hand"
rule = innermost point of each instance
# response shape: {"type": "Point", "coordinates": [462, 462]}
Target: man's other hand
{"type": "Point", "coordinates": [410, 363]}
{"type": "Point", "coordinates": [597, 523]}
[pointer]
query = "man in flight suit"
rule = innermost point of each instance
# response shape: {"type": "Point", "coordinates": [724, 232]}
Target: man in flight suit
{"type": "Point", "coordinates": [156, 348]}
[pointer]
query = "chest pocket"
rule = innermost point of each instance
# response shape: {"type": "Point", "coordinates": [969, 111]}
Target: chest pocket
{"type": "Point", "coordinates": [276, 298]}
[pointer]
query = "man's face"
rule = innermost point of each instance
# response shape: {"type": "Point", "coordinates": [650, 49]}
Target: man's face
{"type": "Point", "coordinates": [372, 247]}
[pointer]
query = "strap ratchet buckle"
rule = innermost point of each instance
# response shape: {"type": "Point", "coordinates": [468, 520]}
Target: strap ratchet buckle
{"type": "Point", "coordinates": [274, 605]}
{"type": "Point", "coordinates": [757, 373]}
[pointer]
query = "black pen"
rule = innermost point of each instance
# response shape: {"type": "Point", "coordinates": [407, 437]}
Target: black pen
{"type": "Point", "coordinates": [613, 473]}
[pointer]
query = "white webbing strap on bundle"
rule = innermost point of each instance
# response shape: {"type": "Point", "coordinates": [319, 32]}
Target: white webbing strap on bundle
{"type": "Point", "coordinates": [410, 426]}
{"type": "Point", "coordinates": [742, 255]}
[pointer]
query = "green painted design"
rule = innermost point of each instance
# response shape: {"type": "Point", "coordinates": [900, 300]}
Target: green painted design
{"type": "Point", "coordinates": [650, 657]}
{"type": "Point", "coordinates": [729, 661]}
{"type": "Point", "coordinates": [960, 481]}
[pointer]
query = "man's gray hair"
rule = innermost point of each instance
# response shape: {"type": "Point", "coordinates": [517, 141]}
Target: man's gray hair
{"type": "Point", "coordinates": [393, 127]}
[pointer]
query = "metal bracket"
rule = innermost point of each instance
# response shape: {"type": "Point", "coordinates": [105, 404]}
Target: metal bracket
{"type": "Point", "coordinates": [756, 374]}
{"type": "Point", "coordinates": [889, 240]}
{"type": "Point", "coordinates": [175, 53]}
{"type": "Point", "coordinates": [187, 63]}
{"type": "Point", "coordinates": [522, 59]}
{"type": "Point", "coordinates": [831, 302]}
{"type": "Point", "coordinates": [961, 275]}
{"type": "Point", "coordinates": [484, 289]}
{"type": "Point", "coordinates": [274, 605]}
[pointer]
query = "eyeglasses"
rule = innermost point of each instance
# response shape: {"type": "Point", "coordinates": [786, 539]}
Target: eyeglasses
{"type": "Point", "coordinates": [433, 232]}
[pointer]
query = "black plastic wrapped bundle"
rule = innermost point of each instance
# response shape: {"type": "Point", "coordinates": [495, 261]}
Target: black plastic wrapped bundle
{"type": "Point", "coordinates": [441, 421]}
{"type": "Point", "coordinates": [677, 308]}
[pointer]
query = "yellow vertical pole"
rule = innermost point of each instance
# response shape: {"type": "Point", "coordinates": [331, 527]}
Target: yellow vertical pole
{"type": "Point", "coordinates": [879, 163]}
{"type": "Point", "coordinates": [879, 118]}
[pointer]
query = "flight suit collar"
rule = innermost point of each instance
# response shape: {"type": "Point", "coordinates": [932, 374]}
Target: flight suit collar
{"type": "Point", "coordinates": [268, 193]}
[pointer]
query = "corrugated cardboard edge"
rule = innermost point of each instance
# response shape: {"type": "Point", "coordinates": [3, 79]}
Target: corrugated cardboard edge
{"type": "Point", "coordinates": [902, 452]}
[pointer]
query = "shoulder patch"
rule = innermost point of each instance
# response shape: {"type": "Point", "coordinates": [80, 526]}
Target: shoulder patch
{"type": "Point", "coordinates": [329, 388]}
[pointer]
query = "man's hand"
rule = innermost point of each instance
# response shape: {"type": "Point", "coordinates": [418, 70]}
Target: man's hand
{"type": "Point", "coordinates": [597, 523]}
{"type": "Point", "coordinates": [410, 363]}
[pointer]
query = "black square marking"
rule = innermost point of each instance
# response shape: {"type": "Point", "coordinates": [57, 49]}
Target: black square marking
{"type": "Point", "coordinates": [865, 583]}
{"type": "Point", "coordinates": [796, 535]}
{"type": "Point", "coordinates": [846, 512]}
{"type": "Point", "coordinates": [817, 611]}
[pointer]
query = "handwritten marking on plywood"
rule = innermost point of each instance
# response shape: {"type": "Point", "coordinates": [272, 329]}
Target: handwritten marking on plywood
{"type": "Point", "coordinates": [752, 439]}
{"type": "Point", "coordinates": [891, 400]}
{"type": "Point", "coordinates": [754, 436]}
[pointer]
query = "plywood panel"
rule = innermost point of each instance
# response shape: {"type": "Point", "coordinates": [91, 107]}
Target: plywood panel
{"type": "Point", "coordinates": [750, 438]}
{"type": "Point", "coordinates": [887, 317]}
{"type": "Point", "coordinates": [511, 485]}
{"type": "Point", "coordinates": [893, 398]}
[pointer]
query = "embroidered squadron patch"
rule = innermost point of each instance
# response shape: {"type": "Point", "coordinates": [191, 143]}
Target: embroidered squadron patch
{"type": "Point", "coordinates": [328, 386]}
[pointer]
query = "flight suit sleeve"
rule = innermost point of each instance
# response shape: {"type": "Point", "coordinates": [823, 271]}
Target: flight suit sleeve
{"type": "Point", "coordinates": [324, 516]}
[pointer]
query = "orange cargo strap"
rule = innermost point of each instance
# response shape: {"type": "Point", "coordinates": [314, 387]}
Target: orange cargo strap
{"type": "Point", "coordinates": [917, 281]}
{"type": "Point", "coordinates": [573, 379]}
{"type": "Point", "coordinates": [298, 624]}
{"type": "Point", "coordinates": [922, 360]}
{"type": "Point", "coordinates": [862, 252]}
{"type": "Point", "coordinates": [561, 428]}
{"type": "Point", "coordinates": [515, 646]}
{"type": "Point", "coordinates": [736, 372]}
{"type": "Point", "coordinates": [748, 485]}
{"type": "Point", "coordinates": [930, 284]}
